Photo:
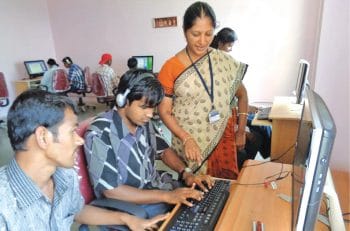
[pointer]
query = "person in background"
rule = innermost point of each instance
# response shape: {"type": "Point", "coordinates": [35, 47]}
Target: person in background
{"type": "Point", "coordinates": [75, 75]}
{"type": "Point", "coordinates": [122, 145]}
{"type": "Point", "coordinates": [132, 63]}
{"type": "Point", "coordinates": [109, 77]}
{"type": "Point", "coordinates": [39, 188]}
{"type": "Point", "coordinates": [200, 83]}
{"type": "Point", "coordinates": [47, 79]}
{"type": "Point", "coordinates": [224, 39]}
{"type": "Point", "coordinates": [258, 138]}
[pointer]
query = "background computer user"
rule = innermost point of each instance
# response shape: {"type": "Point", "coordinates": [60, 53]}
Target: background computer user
{"type": "Point", "coordinates": [258, 138]}
{"type": "Point", "coordinates": [109, 77]}
{"type": "Point", "coordinates": [75, 75]}
{"type": "Point", "coordinates": [47, 79]}
{"type": "Point", "coordinates": [132, 63]}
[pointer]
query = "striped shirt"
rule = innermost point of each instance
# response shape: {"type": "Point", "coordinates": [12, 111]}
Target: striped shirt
{"type": "Point", "coordinates": [116, 157]}
{"type": "Point", "coordinates": [76, 77]}
{"type": "Point", "coordinates": [24, 207]}
{"type": "Point", "coordinates": [110, 79]}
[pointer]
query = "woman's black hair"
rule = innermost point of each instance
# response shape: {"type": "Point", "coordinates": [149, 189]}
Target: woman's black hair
{"type": "Point", "coordinates": [34, 108]}
{"type": "Point", "coordinates": [225, 35]}
{"type": "Point", "coordinates": [198, 10]}
{"type": "Point", "coordinates": [51, 62]}
{"type": "Point", "coordinates": [141, 83]}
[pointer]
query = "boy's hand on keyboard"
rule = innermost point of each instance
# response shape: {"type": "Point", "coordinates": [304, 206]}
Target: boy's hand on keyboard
{"type": "Point", "coordinates": [181, 195]}
{"type": "Point", "coordinates": [204, 182]}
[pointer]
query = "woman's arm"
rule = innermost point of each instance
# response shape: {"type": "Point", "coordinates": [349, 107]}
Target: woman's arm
{"type": "Point", "coordinates": [242, 96]}
{"type": "Point", "coordinates": [192, 151]}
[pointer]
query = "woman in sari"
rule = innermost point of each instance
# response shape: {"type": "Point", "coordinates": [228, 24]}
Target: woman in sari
{"type": "Point", "coordinates": [200, 84]}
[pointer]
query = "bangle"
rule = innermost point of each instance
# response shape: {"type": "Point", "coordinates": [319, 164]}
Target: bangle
{"type": "Point", "coordinates": [187, 138]}
{"type": "Point", "coordinates": [243, 113]}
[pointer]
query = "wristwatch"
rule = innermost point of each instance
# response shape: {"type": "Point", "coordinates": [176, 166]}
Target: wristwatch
{"type": "Point", "coordinates": [187, 169]}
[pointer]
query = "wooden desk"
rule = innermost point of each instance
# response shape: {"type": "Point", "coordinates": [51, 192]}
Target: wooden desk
{"type": "Point", "coordinates": [250, 200]}
{"type": "Point", "coordinates": [25, 84]}
{"type": "Point", "coordinates": [285, 117]}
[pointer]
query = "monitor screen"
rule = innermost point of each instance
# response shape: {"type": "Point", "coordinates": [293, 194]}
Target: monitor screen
{"type": "Point", "coordinates": [35, 68]}
{"type": "Point", "coordinates": [301, 80]}
{"type": "Point", "coordinates": [145, 62]}
{"type": "Point", "coordinates": [313, 149]}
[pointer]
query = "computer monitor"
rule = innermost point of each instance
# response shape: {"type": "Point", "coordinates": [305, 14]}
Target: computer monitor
{"type": "Point", "coordinates": [302, 80]}
{"type": "Point", "coordinates": [35, 68]}
{"type": "Point", "coordinates": [145, 62]}
{"type": "Point", "coordinates": [312, 154]}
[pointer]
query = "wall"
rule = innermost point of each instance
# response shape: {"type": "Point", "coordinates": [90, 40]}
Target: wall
{"type": "Point", "coordinates": [333, 74]}
{"type": "Point", "coordinates": [273, 35]}
{"type": "Point", "coordinates": [25, 35]}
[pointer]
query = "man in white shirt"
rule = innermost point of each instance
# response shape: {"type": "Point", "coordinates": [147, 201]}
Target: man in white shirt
{"type": "Point", "coordinates": [110, 79]}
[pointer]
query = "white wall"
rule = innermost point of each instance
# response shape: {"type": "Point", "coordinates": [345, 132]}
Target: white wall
{"type": "Point", "coordinates": [25, 35]}
{"type": "Point", "coordinates": [273, 35]}
{"type": "Point", "coordinates": [332, 81]}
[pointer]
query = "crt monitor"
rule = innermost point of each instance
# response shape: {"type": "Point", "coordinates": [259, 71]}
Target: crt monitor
{"type": "Point", "coordinates": [35, 68]}
{"type": "Point", "coordinates": [312, 154]}
{"type": "Point", "coordinates": [145, 62]}
{"type": "Point", "coordinates": [302, 80]}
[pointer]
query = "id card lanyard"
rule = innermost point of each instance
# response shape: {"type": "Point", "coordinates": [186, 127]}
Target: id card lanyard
{"type": "Point", "coordinates": [213, 114]}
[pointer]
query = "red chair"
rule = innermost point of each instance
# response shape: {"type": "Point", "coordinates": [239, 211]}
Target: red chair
{"type": "Point", "coordinates": [4, 94]}
{"type": "Point", "coordinates": [86, 188]}
{"type": "Point", "coordinates": [100, 90]}
{"type": "Point", "coordinates": [60, 82]}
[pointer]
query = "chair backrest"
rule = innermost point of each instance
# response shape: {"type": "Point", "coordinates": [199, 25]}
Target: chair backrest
{"type": "Point", "coordinates": [88, 79]}
{"type": "Point", "coordinates": [60, 81]}
{"type": "Point", "coordinates": [98, 87]}
{"type": "Point", "coordinates": [4, 95]}
{"type": "Point", "coordinates": [81, 165]}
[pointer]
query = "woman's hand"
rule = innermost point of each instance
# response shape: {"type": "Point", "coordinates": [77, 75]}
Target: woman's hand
{"type": "Point", "coordinates": [192, 150]}
{"type": "Point", "coordinates": [240, 139]}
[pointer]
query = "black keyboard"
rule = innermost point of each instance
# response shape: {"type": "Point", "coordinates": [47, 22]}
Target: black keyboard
{"type": "Point", "coordinates": [205, 213]}
{"type": "Point", "coordinates": [263, 113]}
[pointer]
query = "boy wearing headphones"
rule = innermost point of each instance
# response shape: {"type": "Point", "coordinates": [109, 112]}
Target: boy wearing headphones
{"type": "Point", "coordinates": [75, 75]}
{"type": "Point", "coordinates": [121, 148]}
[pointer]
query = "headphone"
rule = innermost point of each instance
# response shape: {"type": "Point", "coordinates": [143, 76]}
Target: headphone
{"type": "Point", "coordinates": [122, 97]}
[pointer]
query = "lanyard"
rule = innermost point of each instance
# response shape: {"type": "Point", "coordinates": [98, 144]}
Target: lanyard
{"type": "Point", "coordinates": [211, 92]}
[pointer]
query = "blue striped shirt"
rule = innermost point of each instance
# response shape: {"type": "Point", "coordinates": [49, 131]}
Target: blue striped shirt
{"type": "Point", "coordinates": [24, 207]}
{"type": "Point", "coordinates": [76, 77]}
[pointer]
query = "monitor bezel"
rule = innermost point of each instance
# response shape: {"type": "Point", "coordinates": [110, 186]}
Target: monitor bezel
{"type": "Point", "coordinates": [316, 166]}
{"type": "Point", "coordinates": [31, 75]}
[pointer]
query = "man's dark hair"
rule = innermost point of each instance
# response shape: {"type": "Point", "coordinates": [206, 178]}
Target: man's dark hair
{"type": "Point", "coordinates": [132, 63]}
{"type": "Point", "coordinates": [67, 60]}
{"type": "Point", "coordinates": [34, 108]}
{"type": "Point", "coordinates": [198, 10]}
{"type": "Point", "coordinates": [141, 84]}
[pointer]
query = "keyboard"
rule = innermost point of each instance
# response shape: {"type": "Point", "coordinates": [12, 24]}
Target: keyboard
{"type": "Point", "coordinates": [205, 213]}
{"type": "Point", "coordinates": [263, 113]}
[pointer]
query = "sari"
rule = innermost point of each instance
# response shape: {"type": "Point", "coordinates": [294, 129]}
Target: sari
{"type": "Point", "coordinates": [191, 107]}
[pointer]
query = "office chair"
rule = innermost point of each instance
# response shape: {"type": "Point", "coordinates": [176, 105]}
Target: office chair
{"type": "Point", "coordinates": [87, 190]}
{"type": "Point", "coordinates": [60, 82]}
{"type": "Point", "coordinates": [82, 93]}
{"type": "Point", "coordinates": [99, 88]}
{"type": "Point", "coordinates": [4, 95]}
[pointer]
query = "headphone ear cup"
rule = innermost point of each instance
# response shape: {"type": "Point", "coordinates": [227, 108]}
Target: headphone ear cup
{"type": "Point", "coordinates": [121, 98]}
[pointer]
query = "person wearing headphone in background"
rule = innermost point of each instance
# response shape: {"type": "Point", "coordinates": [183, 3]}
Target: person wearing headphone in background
{"type": "Point", "coordinates": [75, 75]}
{"type": "Point", "coordinates": [109, 77]}
{"type": "Point", "coordinates": [132, 63]}
{"type": "Point", "coordinates": [258, 138]}
{"type": "Point", "coordinates": [47, 79]}
{"type": "Point", "coordinates": [122, 145]}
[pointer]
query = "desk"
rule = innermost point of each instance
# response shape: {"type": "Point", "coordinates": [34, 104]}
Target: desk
{"type": "Point", "coordinates": [248, 203]}
{"type": "Point", "coordinates": [285, 118]}
{"type": "Point", "coordinates": [25, 84]}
